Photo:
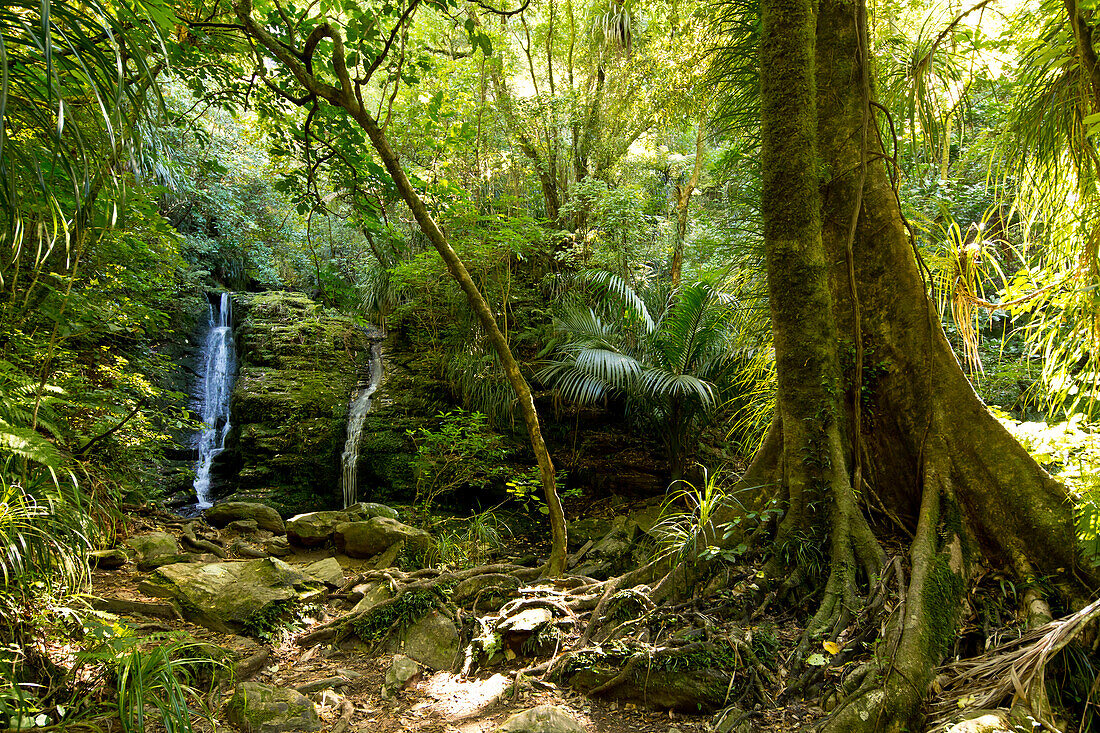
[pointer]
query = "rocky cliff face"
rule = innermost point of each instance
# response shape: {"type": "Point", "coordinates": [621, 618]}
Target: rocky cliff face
{"type": "Point", "coordinates": [410, 396]}
{"type": "Point", "coordinates": [298, 366]}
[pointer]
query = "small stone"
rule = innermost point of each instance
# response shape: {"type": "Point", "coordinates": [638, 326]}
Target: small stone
{"type": "Point", "coordinates": [328, 571]}
{"type": "Point", "coordinates": [259, 708]}
{"type": "Point", "coordinates": [401, 671]}
{"type": "Point", "coordinates": [277, 547]}
{"type": "Point", "coordinates": [541, 719]}
{"type": "Point", "coordinates": [107, 559]}
{"type": "Point", "coordinates": [349, 674]}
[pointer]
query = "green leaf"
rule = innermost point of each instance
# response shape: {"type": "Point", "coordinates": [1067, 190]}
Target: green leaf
{"type": "Point", "coordinates": [28, 444]}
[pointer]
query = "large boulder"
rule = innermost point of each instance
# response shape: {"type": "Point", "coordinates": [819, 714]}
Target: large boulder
{"type": "Point", "coordinates": [231, 597]}
{"type": "Point", "coordinates": [315, 528]}
{"type": "Point", "coordinates": [153, 549]}
{"type": "Point", "coordinates": [259, 708]}
{"type": "Point", "coordinates": [265, 517]}
{"type": "Point", "coordinates": [367, 539]}
{"type": "Point", "coordinates": [541, 719]}
{"type": "Point", "coordinates": [433, 641]}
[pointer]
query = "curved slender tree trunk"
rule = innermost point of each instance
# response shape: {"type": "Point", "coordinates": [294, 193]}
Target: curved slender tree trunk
{"type": "Point", "coordinates": [348, 98]}
{"type": "Point", "coordinates": [928, 449]}
{"type": "Point", "coordinates": [556, 563]}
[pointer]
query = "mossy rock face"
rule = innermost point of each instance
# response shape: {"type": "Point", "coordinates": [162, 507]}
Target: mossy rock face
{"type": "Point", "coordinates": [411, 394]}
{"type": "Point", "coordinates": [298, 366]}
{"type": "Point", "coordinates": [259, 708]}
{"type": "Point", "coordinates": [231, 597]}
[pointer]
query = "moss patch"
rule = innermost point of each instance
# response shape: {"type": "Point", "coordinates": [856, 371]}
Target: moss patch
{"type": "Point", "coordinates": [942, 597]}
{"type": "Point", "coordinates": [400, 613]}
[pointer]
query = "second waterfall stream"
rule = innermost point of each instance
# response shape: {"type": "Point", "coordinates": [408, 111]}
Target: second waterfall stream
{"type": "Point", "coordinates": [357, 415]}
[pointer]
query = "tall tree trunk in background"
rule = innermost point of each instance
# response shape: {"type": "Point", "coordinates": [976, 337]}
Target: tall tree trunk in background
{"type": "Point", "coordinates": [345, 98]}
{"type": "Point", "coordinates": [683, 203]}
{"type": "Point", "coordinates": [546, 169]}
{"type": "Point", "coordinates": [936, 459]}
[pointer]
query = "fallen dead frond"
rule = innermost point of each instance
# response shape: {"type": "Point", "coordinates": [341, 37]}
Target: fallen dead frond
{"type": "Point", "coordinates": [1012, 672]}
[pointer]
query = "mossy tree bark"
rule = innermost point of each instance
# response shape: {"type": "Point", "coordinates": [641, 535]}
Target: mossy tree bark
{"type": "Point", "coordinates": [929, 454]}
{"type": "Point", "coordinates": [348, 97]}
{"type": "Point", "coordinates": [683, 204]}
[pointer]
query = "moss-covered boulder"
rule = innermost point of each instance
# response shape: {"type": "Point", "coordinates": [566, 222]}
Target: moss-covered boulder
{"type": "Point", "coordinates": [153, 549]}
{"type": "Point", "coordinates": [224, 513]}
{"type": "Point", "coordinates": [259, 708]}
{"type": "Point", "coordinates": [378, 534]}
{"type": "Point", "coordinates": [316, 528]}
{"type": "Point", "coordinates": [231, 597]}
{"type": "Point", "coordinates": [298, 366]}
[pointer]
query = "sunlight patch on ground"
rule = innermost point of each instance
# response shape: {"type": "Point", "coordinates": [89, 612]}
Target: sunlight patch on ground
{"type": "Point", "coordinates": [457, 698]}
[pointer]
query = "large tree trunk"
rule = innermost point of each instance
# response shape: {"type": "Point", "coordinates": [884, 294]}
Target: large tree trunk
{"type": "Point", "coordinates": [928, 453]}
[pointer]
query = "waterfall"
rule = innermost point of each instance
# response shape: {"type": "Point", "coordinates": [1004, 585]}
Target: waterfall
{"type": "Point", "coordinates": [357, 415]}
{"type": "Point", "coordinates": [218, 362]}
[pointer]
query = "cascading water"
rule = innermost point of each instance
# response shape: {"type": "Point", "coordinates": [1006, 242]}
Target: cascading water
{"type": "Point", "coordinates": [218, 362]}
{"type": "Point", "coordinates": [357, 415]}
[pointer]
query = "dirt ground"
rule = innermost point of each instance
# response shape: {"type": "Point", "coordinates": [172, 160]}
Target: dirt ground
{"type": "Point", "coordinates": [439, 702]}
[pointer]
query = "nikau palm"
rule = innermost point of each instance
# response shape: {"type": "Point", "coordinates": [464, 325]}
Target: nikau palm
{"type": "Point", "coordinates": [665, 357]}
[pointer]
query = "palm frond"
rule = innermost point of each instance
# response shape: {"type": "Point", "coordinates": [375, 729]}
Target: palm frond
{"type": "Point", "coordinates": [609, 366]}
{"type": "Point", "coordinates": [623, 292]}
{"type": "Point", "coordinates": [574, 384]}
{"type": "Point", "coordinates": [660, 383]}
